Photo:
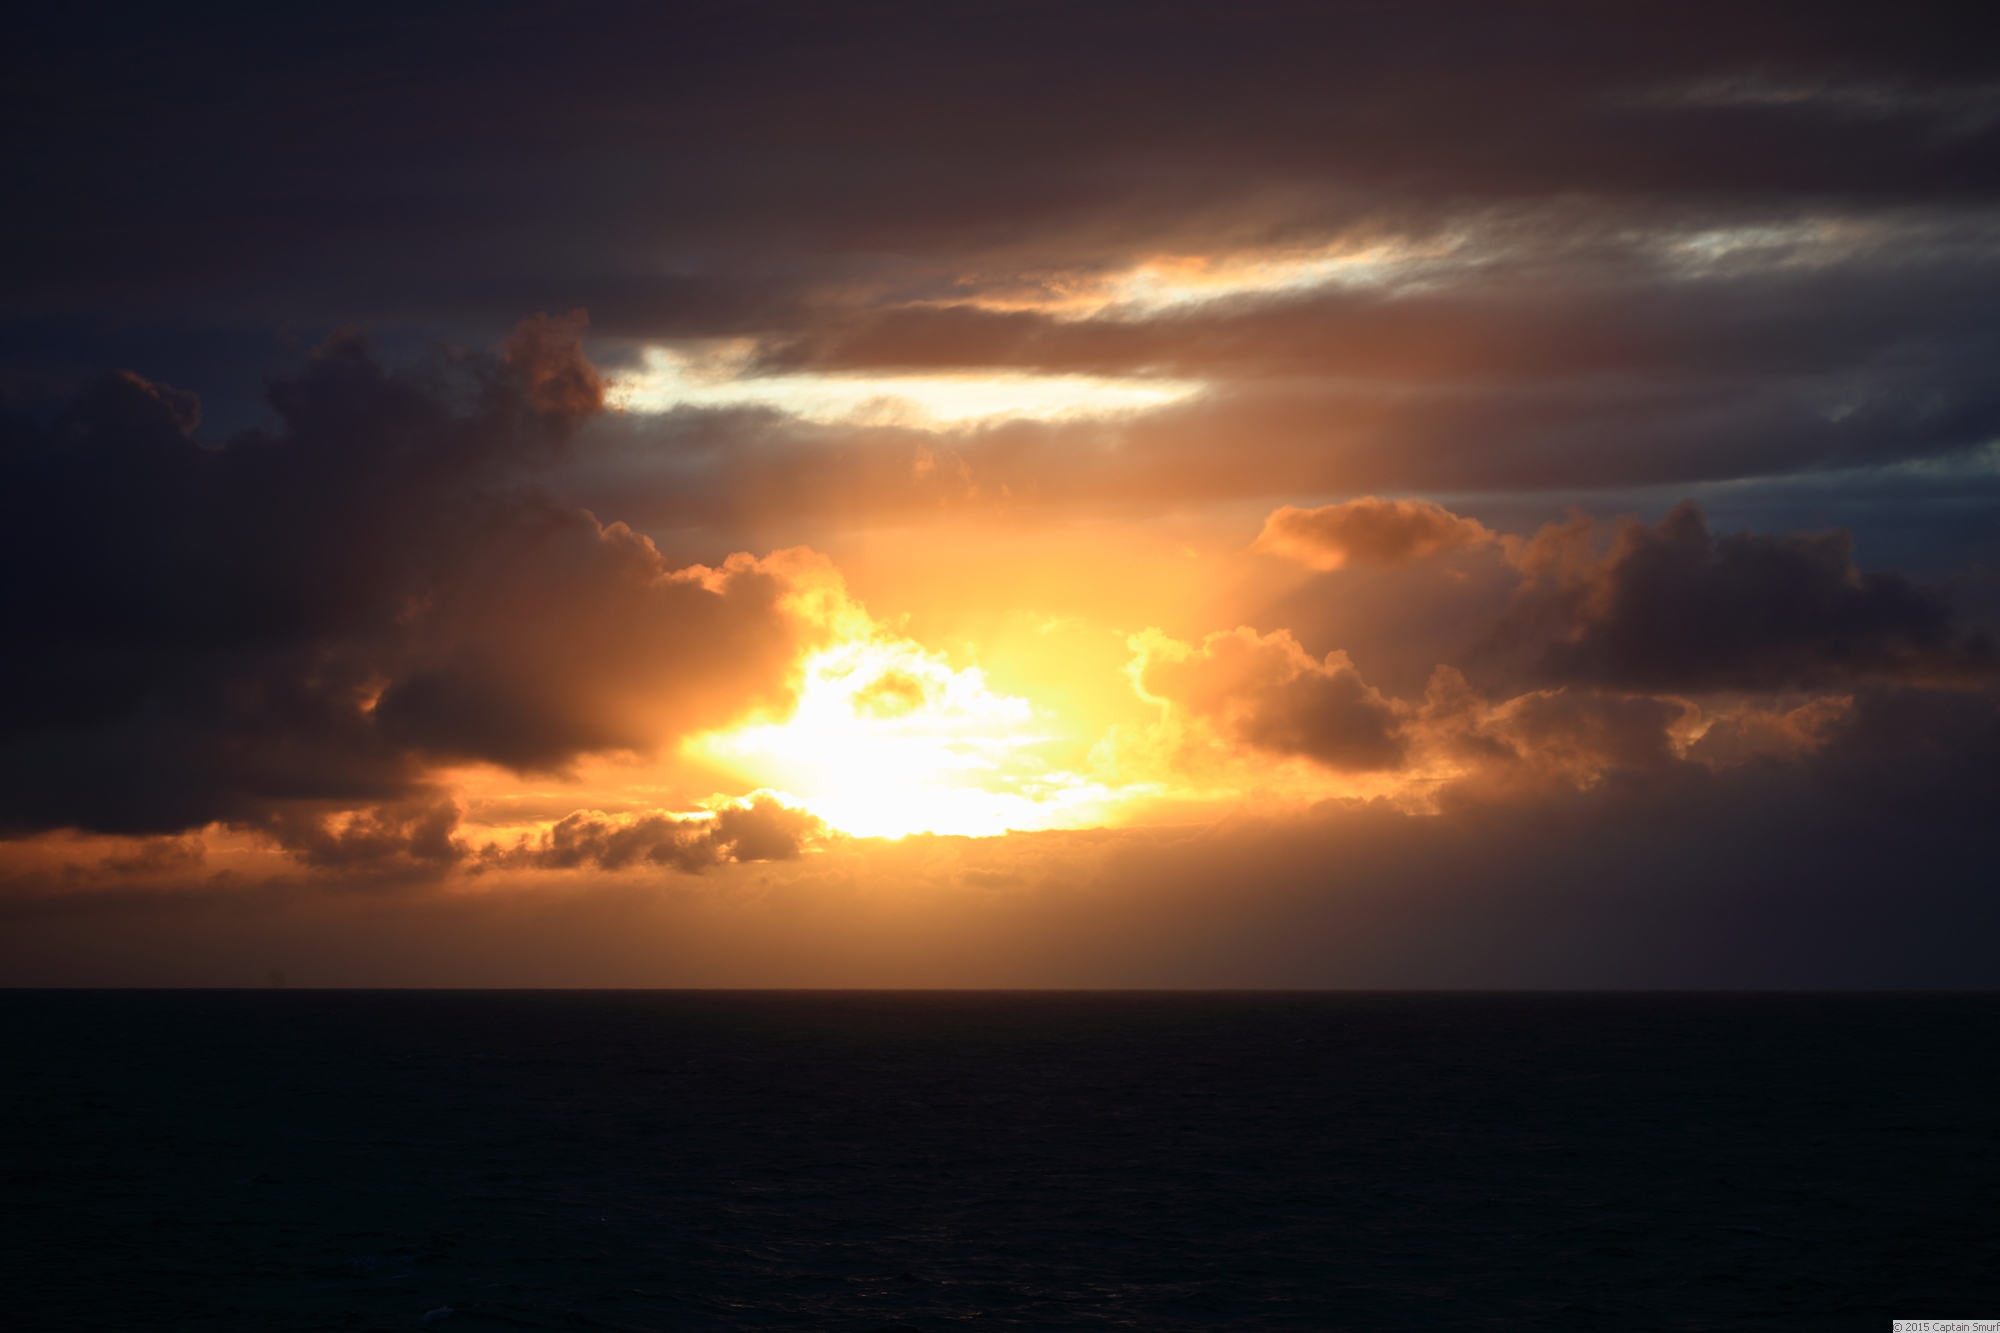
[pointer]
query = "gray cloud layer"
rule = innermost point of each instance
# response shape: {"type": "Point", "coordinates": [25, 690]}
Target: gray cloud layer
{"type": "Point", "coordinates": [1678, 243]}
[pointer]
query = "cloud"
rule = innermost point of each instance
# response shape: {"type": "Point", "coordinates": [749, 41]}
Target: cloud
{"type": "Point", "coordinates": [1855, 389]}
{"type": "Point", "coordinates": [412, 833]}
{"type": "Point", "coordinates": [918, 143]}
{"type": "Point", "coordinates": [1599, 274]}
{"type": "Point", "coordinates": [1750, 734]}
{"type": "Point", "coordinates": [1266, 692]}
{"type": "Point", "coordinates": [760, 829]}
{"type": "Point", "coordinates": [568, 638]}
{"type": "Point", "coordinates": [546, 356]}
{"type": "Point", "coordinates": [1367, 531]}
{"type": "Point", "coordinates": [309, 619]}
{"type": "Point", "coordinates": [1577, 735]}
{"type": "Point", "coordinates": [1672, 607]}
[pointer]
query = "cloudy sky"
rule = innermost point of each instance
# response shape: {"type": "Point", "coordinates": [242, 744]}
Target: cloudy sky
{"type": "Point", "coordinates": [1419, 494]}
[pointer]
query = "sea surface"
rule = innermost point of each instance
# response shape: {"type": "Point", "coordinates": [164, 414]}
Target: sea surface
{"type": "Point", "coordinates": [295, 1160]}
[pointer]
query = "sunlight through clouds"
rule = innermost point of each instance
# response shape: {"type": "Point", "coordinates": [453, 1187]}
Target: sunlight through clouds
{"type": "Point", "coordinates": [720, 375]}
{"type": "Point", "coordinates": [889, 739]}
{"type": "Point", "coordinates": [1166, 282]}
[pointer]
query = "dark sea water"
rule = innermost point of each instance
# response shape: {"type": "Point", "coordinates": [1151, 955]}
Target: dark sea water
{"type": "Point", "coordinates": [675, 1160]}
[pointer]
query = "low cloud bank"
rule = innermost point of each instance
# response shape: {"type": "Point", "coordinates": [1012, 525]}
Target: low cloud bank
{"type": "Point", "coordinates": [1666, 873]}
{"type": "Point", "coordinates": [762, 829]}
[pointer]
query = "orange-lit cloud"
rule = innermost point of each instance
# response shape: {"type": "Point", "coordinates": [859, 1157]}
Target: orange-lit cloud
{"type": "Point", "coordinates": [1266, 692]}
{"type": "Point", "coordinates": [759, 829]}
{"type": "Point", "coordinates": [1367, 531]}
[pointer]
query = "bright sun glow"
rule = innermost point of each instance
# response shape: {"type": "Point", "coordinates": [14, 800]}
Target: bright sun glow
{"type": "Point", "coordinates": [717, 375]}
{"type": "Point", "coordinates": [889, 739]}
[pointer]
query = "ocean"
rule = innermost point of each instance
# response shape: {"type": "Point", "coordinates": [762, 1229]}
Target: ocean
{"type": "Point", "coordinates": [661, 1160]}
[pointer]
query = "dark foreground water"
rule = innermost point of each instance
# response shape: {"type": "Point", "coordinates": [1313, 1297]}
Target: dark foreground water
{"type": "Point", "coordinates": [354, 1160]}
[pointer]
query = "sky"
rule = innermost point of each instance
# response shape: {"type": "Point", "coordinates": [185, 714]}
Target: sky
{"type": "Point", "coordinates": [1001, 495]}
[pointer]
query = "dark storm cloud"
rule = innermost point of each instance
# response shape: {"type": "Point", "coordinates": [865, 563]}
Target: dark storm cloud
{"type": "Point", "coordinates": [1673, 607]}
{"type": "Point", "coordinates": [306, 620]}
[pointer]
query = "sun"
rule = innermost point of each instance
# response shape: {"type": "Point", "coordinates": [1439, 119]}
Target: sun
{"type": "Point", "coordinates": [890, 739]}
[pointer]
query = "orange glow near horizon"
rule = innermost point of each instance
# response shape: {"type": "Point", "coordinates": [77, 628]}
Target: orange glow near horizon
{"type": "Point", "coordinates": [996, 696]}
